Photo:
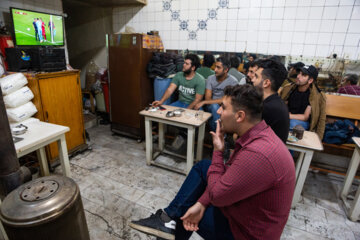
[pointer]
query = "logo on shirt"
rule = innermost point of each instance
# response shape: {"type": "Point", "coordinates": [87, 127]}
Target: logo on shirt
{"type": "Point", "coordinates": [187, 91]}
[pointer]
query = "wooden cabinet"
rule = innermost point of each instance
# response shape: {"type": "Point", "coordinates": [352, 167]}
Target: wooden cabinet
{"type": "Point", "coordinates": [57, 96]}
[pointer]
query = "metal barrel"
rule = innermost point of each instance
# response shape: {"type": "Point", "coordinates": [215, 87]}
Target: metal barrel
{"type": "Point", "coordinates": [46, 208]}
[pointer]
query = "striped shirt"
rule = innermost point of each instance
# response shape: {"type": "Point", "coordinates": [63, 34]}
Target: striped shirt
{"type": "Point", "coordinates": [254, 189]}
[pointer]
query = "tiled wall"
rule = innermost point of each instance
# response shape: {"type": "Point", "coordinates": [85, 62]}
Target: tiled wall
{"type": "Point", "coordinates": [285, 27]}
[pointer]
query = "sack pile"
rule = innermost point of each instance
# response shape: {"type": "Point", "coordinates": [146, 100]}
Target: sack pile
{"type": "Point", "coordinates": [17, 98]}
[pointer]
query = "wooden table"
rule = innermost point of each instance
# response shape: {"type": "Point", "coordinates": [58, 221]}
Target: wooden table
{"type": "Point", "coordinates": [352, 210]}
{"type": "Point", "coordinates": [306, 146]}
{"type": "Point", "coordinates": [40, 134]}
{"type": "Point", "coordinates": [186, 120]}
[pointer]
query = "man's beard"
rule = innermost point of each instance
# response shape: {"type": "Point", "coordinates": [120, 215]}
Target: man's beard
{"type": "Point", "coordinates": [219, 76]}
{"type": "Point", "coordinates": [187, 72]}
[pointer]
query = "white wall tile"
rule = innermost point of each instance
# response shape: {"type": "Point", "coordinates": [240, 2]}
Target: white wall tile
{"type": "Point", "coordinates": [232, 13]}
{"type": "Point", "coordinates": [230, 46]}
{"type": "Point", "coordinates": [350, 52]}
{"type": "Point", "coordinates": [274, 37]}
{"type": "Point", "coordinates": [265, 13]}
{"type": "Point", "coordinates": [220, 46]}
{"type": "Point", "coordinates": [313, 26]}
{"type": "Point", "coordinates": [286, 37]}
{"type": "Point", "coordinates": [277, 25]}
{"type": "Point", "coordinates": [337, 39]}
{"type": "Point", "coordinates": [285, 49]}
{"type": "Point", "coordinates": [316, 12]}
{"type": "Point", "coordinates": [254, 13]}
{"type": "Point", "coordinates": [252, 36]}
{"type": "Point", "coordinates": [263, 36]}
{"type": "Point", "coordinates": [297, 49]}
{"type": "Point", "coordinates": [240, 46]}
{"type": "Point", "coordinates": [279, 3]}
{"type": "Point", "coordinates": [267, 3]}
{"type": "Point", "coordinates": [357, 2]}
{"type": "Point", "coordinates": [330, 12]}
{"type": "Point", "coordinates": [317, 2]}
{"type": "Point", "coordinates": [277, 13]}
{"type": "Point", "coordinates": [231, 24]}
{"type": "Point", "coordinates": [352, 40]}
{"type": "Point", "coordinates": [241, 36]}
{"type": "Point", "coordinates": [255, 3]}
{"type": "Point", "coordinates": [210, 45]}
{"type": "Point", "coordinates": [298, 37]}
{"type": "Point", "coordinates": [311, 38]}
{"type": "Point", "coordinates": [327, 25]}
{"type": "Point", "coordinates": [302, 12]}
{"type": "Point", "coordinates": [332, 2]}
{"type": "Point", "coordinates": [290, 13]}
{"type": "Point", "coordinates": [355, 13]}
{"type": "Point", "coordinates": [309, 50]}
{"type": "Point", "coordinates": [344, 12]}
{"type": "Point", "coordinates": [274, 48]}
{"type": "Point", "coordinates": [291, 3]}
{"type": "Point", "coordinates": [300, 25]}
{"type": "Point", "coordinates": [305, 3]}
{"type": "Point", "coordinates": [324, 38]}
{"type": "Point", "coordinates": [354, 26]}
{"type": "Point", "coordinates": [221, 35]}
{"type": "Point", "coordinates": [322, 51]}
{"type": "Point", "coordinates": [253, 24]}
{"type": "Point", "coordinates": [346, 2]}
{"type": "Point", "coordinates": [243, 13]}
{"type": "Point", "coordinates": [262, 48]}
{"type": "Point", "coordinates": [251, 46]}
{"type": "Point", "coordinates": [242, 24]}
{"type": "Point", "coordinates": [341, 26]}
{"type": "Point", "coordinates": [232, 4]}
{"type": "Point", "coordinates": [231, 36]}
{"type": "Point", "coordinates": [264, 25]}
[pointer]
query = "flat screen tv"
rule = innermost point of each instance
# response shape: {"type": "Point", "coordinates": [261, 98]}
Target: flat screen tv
{"type": "Point", "coordinates": [36, 28]}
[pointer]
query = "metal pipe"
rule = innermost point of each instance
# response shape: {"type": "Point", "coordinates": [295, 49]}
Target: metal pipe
{"type": "Point", "coordinates": [10, 174]}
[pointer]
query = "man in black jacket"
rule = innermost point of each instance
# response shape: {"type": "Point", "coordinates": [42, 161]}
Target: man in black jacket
{"type": "Point", "coordinates": [268, 77]}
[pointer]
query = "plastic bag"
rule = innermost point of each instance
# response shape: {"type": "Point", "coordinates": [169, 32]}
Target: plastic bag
{"type": "Point", "coordinates": [19, 97]}
{"type": "Point", "coordinates": [12, 82]}
{"type": "Point", "coordinates": [91, 71]}
{"type": "Point", "coordinates": [21, 113]}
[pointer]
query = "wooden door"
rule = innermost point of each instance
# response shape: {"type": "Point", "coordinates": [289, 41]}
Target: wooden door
{"type": "Point", "coordinates": [61, 104]}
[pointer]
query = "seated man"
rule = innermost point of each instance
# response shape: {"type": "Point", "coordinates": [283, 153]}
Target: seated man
{"type": "Point", "coordinates": [349, 85]}
{"type": "Point", "coordinates": [268, 78]}
{"type": "Point", "coordinates": [205, 70]}
{"type": "Point", "coordinates": [241, 78]}
{"type": "Point", "coordinates": [191, 86]}
{"type": "Point", "coordinates": [294, 70]}
{"type": "Point", "coordinates": [306, 102]}
{"type": "Point", "coordinates": [249, 197]}
{"type": "Point", "coordinates": [214, 91]}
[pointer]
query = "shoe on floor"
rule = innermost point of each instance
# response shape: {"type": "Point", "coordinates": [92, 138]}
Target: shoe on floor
{"type": "Point", "coordinates": [158, 224]}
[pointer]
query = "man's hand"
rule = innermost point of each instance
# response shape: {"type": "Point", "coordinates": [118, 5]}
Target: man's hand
{"type": "Point", "coordinates": [193, 216]}
{"type": "Point", "coordinates": [156, 103]}
{"type": "Point", "coordinates": [218, 138]}
{"type": "Point", "coordinates": [199, 105]}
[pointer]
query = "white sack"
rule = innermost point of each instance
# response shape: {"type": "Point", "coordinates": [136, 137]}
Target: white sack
{"type": "Point", "coordinates": [21, 113]}
{"type": "Point", "coordinates": [19, 97]}
{"type": "Point", "coordinates": [12, 82]}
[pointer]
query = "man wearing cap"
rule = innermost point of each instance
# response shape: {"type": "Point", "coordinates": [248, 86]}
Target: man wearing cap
{"type": "Point", "coordinates": [294, 69]}
{"type": "Point", "coordinates": [306, 102]}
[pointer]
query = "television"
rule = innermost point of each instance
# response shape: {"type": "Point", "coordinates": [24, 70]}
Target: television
{"type": "Point", "coordinates": [37, 28]}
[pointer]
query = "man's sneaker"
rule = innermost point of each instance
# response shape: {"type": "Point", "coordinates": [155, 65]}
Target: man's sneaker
{"type": "Point", "coordinates": [158, 224]}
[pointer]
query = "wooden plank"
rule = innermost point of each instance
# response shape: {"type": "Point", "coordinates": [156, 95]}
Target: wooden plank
{"type": "Point", "coordinates": [343, 106]}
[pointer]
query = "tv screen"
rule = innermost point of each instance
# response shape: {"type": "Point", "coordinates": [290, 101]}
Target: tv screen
{"type": "Point", "coordinates": [36, 28]}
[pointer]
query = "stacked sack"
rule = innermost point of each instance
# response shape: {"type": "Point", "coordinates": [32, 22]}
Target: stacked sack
{"type": "Point", "coordinates": [17, 98]}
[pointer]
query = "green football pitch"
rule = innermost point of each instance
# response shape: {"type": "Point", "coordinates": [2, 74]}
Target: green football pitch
{"type": "Point", "coordinates": [25, 32]}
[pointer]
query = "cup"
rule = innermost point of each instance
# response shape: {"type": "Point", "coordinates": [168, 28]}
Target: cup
{"type": "Point", "coordinates": [199, 115]}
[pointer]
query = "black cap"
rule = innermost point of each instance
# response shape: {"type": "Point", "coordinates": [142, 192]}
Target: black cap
{"type": "Point", "coordinates": [310, 70]}
{"type": "Point", "coordinates": [297, 65]}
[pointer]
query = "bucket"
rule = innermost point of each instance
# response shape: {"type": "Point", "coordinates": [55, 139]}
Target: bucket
{"type": "Point", "coordinates": [160, 86]}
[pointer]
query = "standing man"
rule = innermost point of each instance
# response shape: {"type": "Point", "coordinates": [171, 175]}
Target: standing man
{"type": "Point", "coordinates": [305, 101]}
{"type": "Point", "coordinates": [234, 62]}
{"type": "Point", "coordinates": [349, 85]}
{"type": "Point", "coordinates": [36, 30]}
{"type": "Point", "coordinates": [268, 78]}
{"type": "Point", "coordinates": [214, 91]}
{"type": "Point", "coordinates": [205, 70]}
{"type": "Point", "coordinates": [248, 197]}
{"type": "Point", "coordinates": [39, 29]}
{"type": "Point", "coordinates": [191, 86]}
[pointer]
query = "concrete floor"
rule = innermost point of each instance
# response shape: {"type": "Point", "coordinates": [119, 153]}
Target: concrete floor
{"type": "Point", "coordinates": [117, 186]}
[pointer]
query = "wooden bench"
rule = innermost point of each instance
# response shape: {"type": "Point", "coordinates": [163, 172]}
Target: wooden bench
{"type": "Point", "coordinates": [342, 107]}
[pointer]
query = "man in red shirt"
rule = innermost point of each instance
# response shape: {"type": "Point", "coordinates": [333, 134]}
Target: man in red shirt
{"type": "Point", "coordinates": [247, 197]}
{"type": "Point", "coordinates": [349, 85]}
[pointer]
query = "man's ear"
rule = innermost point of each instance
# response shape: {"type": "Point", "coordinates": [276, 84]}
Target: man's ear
{"type": "Point", "coordinates": [266, 83]}
{"type": "Point", "coordinates": [193, 68]}
{"type": "Point", "coordinates": [311, 80]}
{"type": "Point", "coordinates": [240, 116]}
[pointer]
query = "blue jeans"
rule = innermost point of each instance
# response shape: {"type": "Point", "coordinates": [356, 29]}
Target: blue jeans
{"type": "Point", "coordinates": [213, 225]}
{"type": "Point", "coordinates": [212, 108]}
{"type": "Point", "coordinates": [294, 122]}
{"type": "Point", "coordinates": [179, 104]}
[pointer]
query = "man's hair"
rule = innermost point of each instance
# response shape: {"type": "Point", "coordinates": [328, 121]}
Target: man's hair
{"type": "Point", "coordinates": [352, 78]}
{"type": "Point", "coordinates": [209, 60]}
{"type": "Point", "coordinates": [246, 97]}
{"type": "Point", "coordinates": [195, 61]}
{"type": "Point", "coordinates": [254, 63]}
{"type": "Point", "coordinates": [225, 62]}
{"type": "Point", "coordinates": [273, 70]}
{"type": "Point", "coordinates": [234, 62]}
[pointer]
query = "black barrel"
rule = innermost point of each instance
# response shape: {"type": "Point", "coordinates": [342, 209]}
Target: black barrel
{"type": "Point", "coordinates": [46, 208]}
